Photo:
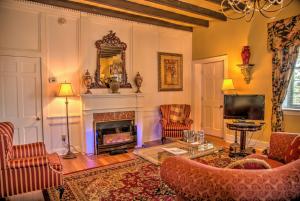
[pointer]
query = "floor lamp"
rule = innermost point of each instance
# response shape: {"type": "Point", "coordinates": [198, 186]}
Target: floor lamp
{"type": "Point", "coordinates": [65, 90]}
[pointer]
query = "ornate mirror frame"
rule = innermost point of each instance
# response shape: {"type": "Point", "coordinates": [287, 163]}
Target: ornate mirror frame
{"type": "Point", "coordinates": [111, 40]}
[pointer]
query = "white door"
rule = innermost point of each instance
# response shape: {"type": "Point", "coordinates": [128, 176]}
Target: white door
{"type": "Point", "coordinates": [212, 98]}
{"type": "Point", "coordinates": [20, 97]}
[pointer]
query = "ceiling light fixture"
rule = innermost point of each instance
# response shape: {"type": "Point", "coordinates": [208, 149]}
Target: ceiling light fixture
{"type": "Point", "coordinates": [238, 9]}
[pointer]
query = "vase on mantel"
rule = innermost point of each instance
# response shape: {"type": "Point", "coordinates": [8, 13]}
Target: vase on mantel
{"type": "Point", "coordinates": [114, 85]}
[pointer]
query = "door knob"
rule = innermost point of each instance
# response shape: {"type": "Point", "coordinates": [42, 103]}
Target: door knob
{"type": "Point", "coordinates": [221, 106]}
{"type": "Point", "coordinates": [37, 118]}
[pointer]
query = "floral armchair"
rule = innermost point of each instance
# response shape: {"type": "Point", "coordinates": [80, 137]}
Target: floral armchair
{"type": "Point", "coordinates": [175, 119]}
{"type": "Point", "coordinates": [28, 167]}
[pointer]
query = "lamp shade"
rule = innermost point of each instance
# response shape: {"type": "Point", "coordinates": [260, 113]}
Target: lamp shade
{"type": "Point", "coordinates": [65, 90]}
{"type": "Point", "coordinates": [227, 85]}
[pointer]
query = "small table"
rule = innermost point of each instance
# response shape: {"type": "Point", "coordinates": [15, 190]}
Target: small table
{"type": "Point", "coordinates": [157, 155]}
{"type": "Point", "coordinates": [244, 128]}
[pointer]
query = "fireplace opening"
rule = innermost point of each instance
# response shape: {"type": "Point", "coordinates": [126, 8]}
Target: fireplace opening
{"type": "Point", "coordinates": [115, 136]}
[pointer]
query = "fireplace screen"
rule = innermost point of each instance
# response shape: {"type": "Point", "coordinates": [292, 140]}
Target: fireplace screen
{"type": "Point", "coordinates": [117, 138]}
{"type": "Point", "coordinates": [115, 135]}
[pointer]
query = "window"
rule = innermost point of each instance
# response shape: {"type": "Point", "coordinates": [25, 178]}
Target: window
{"type": "Point", "coordinates": [292, 100]}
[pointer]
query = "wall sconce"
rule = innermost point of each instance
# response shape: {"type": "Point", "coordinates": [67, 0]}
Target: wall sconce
{"type": "Point", "coordinates": [247, 71]}
{"type": "Point", "coordinates": [246, 68]}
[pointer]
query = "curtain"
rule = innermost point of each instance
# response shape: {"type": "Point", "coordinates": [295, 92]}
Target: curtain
{"type": "Point", "coordinates": [283, 41]}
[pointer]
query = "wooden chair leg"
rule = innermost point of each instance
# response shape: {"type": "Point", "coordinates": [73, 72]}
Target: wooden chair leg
{"type": "Point", "coordinates": [61, 190]}
{"type": "Point", "coordinates": [163, 139]}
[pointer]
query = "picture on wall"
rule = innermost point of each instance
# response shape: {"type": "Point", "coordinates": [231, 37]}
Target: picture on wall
{"type": "Point", "coordinates": [170, 74]}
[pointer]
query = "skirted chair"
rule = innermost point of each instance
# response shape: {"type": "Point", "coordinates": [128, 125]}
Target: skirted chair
{"type": "Point", "coordinates": [258, 177]}
{"type": "Point", "coordinates": [175, 119]}
{"type": "Point", "coordinates": [27, 167]}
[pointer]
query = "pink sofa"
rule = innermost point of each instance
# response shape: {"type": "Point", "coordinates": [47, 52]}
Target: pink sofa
{"type": "Point", "coordinates": [192, 180]}
{"type": "Point", "coordinates": [195, 181]}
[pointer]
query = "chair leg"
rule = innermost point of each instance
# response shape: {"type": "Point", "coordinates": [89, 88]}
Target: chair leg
{"type": "Point", "coordinates": [61, 190]}
{"type": "Point", "coordinates": [2, 199]}
{"type": "Point", "coordinates": [163, 139]}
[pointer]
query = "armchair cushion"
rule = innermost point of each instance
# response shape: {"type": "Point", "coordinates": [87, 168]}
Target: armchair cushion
{"type": "Point", "coordinates": [293, 151]}
{"type": "Point", "coordinates": [28, 162]}
{"type": "Point", "coordinates": [177, 126]}
{"type": "Point", "coordinates": [29, 150]}
{"type": "Point", "coordinates": [250, 164]}
{"type": "Point", "coordinates": [177, 113]}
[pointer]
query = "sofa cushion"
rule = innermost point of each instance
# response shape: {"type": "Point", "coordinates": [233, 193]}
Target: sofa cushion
{"type": "Point", "coordinates": [271, 162]}
{"type": "Point", "coordinates": [293, 151]}
{"type": "Point", "coordinates": [249, 163]}
{"type": "Point", "coordinates": [177, 113]}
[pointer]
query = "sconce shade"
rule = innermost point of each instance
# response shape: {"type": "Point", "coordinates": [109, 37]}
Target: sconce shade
{"type": "Point", "coordinates": [65, 90]}
{"type": "Point", "coordinates": [227, 85]}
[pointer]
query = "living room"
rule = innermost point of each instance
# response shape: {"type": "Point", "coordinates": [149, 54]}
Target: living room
{"type": "Point", "coordinates": [61, 92]}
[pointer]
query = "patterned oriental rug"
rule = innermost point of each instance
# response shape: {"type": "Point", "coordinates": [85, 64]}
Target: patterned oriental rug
{"type": "Point", "coordinates": [134, 180]}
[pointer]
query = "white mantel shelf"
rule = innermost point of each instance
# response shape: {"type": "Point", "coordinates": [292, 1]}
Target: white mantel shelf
{"type": "Point", "coordinates": [112, 95]}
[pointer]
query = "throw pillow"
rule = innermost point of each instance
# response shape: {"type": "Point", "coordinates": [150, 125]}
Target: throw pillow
{"type": "Point", "coordinates": [177, 114]}
{"type": "Point", "coordinates": [249, 163]}
{"type": "Point", "coordinates": [293, 151]}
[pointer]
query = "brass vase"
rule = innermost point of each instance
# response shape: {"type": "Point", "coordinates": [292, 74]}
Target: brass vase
{"type": "Point", "coordinates": [114, 85]}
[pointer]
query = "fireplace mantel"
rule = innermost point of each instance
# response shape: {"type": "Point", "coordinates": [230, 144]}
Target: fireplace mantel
{"type": "Point", "coordinates": [102, 103]}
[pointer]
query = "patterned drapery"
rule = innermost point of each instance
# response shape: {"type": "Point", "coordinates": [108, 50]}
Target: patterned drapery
{"type": "Point", "coordinates": [283, 41]}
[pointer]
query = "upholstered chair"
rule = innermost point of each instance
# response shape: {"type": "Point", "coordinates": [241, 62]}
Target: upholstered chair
{"type": "Point", "coordinates": [284, 147]}
{"type": "Point", "coordinates": [28, 167]}
{"type": "Point", "coordinates": [175, 119]}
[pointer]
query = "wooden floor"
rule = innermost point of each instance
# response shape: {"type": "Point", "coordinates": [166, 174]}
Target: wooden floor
{"type": "Point", "coordinates": [83, 161]}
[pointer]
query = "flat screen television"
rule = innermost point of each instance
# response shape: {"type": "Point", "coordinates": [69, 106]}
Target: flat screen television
{"type": "Point", "coordinates": [244, 107]}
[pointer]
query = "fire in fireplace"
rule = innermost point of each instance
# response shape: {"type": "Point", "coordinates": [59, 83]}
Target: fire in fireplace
{"type": "Point", "coordinates": [115, 136]}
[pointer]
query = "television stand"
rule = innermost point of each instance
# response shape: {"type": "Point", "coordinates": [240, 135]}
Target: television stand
{"type": "Point", "coordinates": [244, 128]}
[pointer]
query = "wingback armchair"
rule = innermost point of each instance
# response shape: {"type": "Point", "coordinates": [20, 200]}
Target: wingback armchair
{"type": "Point", "coordinates": [175, 119]}
{"type": "Point", "coordinates": [284, 147]}
{"type": "Point", "coordinates": [25, 168]}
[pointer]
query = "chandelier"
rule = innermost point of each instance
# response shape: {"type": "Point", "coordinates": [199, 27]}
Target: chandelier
{"type": "Point", "coordinates": [237, 9]}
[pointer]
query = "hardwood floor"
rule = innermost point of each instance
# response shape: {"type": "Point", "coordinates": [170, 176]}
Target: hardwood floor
{"type": "Point", "coordinates": [83, 161]}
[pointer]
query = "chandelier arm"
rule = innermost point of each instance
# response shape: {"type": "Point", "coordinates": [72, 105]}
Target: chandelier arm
{"type": "Point", "coordinates": [252, 14]}
{"type": "Point", "coordinates": [272, 11]}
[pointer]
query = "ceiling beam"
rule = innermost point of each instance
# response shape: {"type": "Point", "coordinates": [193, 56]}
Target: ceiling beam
{"type": "Point", "coordinates": [240, 5]}
{"type": "Point", "coordinates": [112, 13]}
{"type": "Point", "coordinates": [155, 12]}
{"type": "Point", "coordinates": [191, 8]}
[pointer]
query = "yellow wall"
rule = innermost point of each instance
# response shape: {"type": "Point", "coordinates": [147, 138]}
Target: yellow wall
{"type": "Point", "coordinates": [228, 38]}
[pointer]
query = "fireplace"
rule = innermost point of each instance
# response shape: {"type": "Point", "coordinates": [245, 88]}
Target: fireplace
{"type": "Point", "coordinates": [114, 132]}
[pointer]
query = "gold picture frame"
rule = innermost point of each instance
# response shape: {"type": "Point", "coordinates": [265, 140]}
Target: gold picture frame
{"type": "Point", "coordinates": [170, 72]}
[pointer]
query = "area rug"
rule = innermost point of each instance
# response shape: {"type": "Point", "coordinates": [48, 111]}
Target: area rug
{"type": "Point", "coordinates": [134, 180]}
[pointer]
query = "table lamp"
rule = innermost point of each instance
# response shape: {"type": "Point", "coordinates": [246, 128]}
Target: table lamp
{"type": "Point", "coordinates": [65, 90]}
{"type": "Point", "coordinates": [227, 85]}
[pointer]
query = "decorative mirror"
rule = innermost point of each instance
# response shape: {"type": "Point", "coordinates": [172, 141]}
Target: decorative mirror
{"type": "Point", "coordinates": [110, 61]}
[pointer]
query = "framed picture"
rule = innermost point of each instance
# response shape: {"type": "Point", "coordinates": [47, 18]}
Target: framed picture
{"type": "Point", "coordinates": [170, 74]}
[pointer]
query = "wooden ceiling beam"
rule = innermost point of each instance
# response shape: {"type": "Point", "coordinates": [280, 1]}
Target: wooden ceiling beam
{"type": "Point", "coordinates": [180, 5]}
{"type": "Point", "coordinates": [112, 13]}
{"type": "Point", "coordinates": [155, 12]}
{"type": "Point", "coordinates": [241, 5]}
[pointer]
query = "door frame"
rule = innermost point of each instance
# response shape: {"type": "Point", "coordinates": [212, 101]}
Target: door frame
{"type": "Point", "coordinates": [196, 87]}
